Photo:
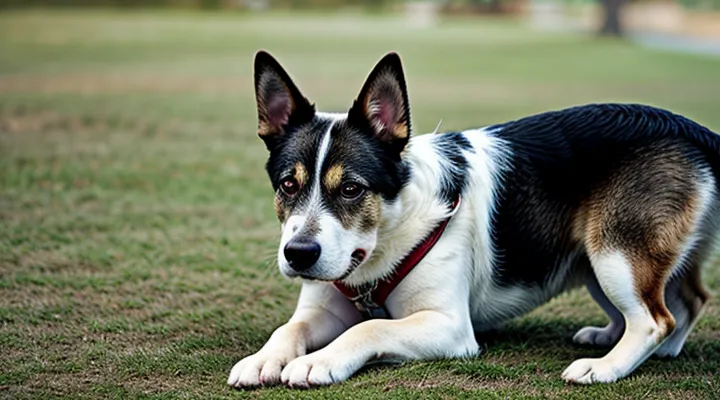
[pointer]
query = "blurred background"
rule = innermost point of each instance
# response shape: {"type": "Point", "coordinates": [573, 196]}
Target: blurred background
{"type": "Point", "coordinates": [137, 231]}
{"type": "Point", "coordinates": [468, 60]}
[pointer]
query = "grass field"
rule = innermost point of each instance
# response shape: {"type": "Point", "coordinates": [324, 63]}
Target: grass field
{"type": "Point", "coordinates": [137, 230]}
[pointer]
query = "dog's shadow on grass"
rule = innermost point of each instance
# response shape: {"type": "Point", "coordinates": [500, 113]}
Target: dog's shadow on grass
{"type": "Point", "coordinates": [554, 335]}
{"type": "Point", "coordinates": [547, 343]}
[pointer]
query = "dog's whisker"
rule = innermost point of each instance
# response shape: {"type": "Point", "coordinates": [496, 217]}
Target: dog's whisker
{"type": "Point", "coordinates": [437, 128]}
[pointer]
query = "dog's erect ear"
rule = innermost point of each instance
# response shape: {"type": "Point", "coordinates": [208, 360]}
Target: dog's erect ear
{"type": "Point", "coordinates": [280, 103]}
{"type": "Point", "coordinates": [383, 103]}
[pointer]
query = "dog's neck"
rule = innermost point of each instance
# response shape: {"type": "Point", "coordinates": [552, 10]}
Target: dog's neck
{"type": "Point", "coordinates": [410, 218]}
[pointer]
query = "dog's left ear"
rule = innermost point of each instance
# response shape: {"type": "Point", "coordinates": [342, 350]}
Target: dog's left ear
{"type": "Point", "coordinates": [280, 103]}
{"type": "Point", "coordinates": [382, 105]}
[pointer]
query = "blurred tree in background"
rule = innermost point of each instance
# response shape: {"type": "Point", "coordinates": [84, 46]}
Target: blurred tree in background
{"type": "Point", "coordinates": [612, 25]}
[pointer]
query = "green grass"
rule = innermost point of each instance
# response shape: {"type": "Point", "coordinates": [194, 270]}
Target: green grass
{"type": "Point", "coordinates": [137, 230]}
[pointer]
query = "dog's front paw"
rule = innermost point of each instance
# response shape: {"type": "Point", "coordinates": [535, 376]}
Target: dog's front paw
{"type": "Point", "coordinates": [316, 369]}
{"type": "Point", "coordinates": [591, 370]}
{"type": "Point", "coordinates": [258, 369]}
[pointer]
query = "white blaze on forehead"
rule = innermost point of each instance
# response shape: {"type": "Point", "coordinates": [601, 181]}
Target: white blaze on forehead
{"type": "Point", "coordinates": [315, 202]}
{"type": "Point", "coordinates": [322, 153]}
{"type": "Point", "coordinates": [315, 198]}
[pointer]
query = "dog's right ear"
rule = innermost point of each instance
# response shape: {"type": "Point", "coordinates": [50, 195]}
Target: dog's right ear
{"type": "Point", "coordinates": [280, 103]}
{"type": "Point", "coordinates": [382, 105]}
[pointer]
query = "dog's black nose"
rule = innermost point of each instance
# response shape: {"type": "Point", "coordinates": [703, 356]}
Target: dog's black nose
{"type": "Point", "coordinates": [302, 254]}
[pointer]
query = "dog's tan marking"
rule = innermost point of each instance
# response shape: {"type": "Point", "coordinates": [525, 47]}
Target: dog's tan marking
{"type": "Point", "coordinates": [649, 277]}
{"type": "Point", "coordinates": [364, 216]}
{"type": "Point", "coordinates": [301, 174]}
{"type": "Point", "coordinates": [333, 177]}
{"type": "Point", "coordinates": [280, 210]}
{"type": "Point", "coordinates": [588, 225]}
{"type": "Point", "coordinates": [579, 227]}
{"type": "Point", "coordinates": [370, 212]}
{"type": "Point", "coordinates": [652, 269]}
{"type": "Point", "coordinates": [653, 265]}
{"type": "Point", "coordinates": [264, 129]}
{"type": "Point", "coordinates": [401, 131]}
{"type": "Point", "coordinates": [661, 218]}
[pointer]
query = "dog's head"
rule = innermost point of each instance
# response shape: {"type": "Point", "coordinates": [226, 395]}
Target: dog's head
{"type": "Point", "coordinates": [334, 175]}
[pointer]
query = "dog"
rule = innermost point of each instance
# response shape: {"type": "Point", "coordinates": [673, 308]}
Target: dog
{"type": "Point", "coordinates": [408, 246]}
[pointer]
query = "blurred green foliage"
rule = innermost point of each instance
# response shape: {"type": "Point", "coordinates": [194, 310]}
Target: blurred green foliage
{"type": "Point", "coordinates": [195, 4]}
{"type": "Point", "coordinates": [701, 4]}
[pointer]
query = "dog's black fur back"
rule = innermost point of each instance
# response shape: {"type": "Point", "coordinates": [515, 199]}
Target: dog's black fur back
{"type": "Point", "coordinates": [559, 157]}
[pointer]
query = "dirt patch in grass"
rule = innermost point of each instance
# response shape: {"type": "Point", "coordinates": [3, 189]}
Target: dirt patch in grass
{"type": "Point", "coordinates": [22, 120]}
{"type": "Point", "coordinates": [48, 261]}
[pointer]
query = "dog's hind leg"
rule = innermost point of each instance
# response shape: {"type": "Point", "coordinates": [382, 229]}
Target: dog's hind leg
{"type": "Point", "coordinates": [608, 335]}
{"type": "Point", "coordinates": [686, 298]}
{"type": "Point", "coordinates": [637, 227]}
{"type": "Point", "coordinates": [648, 322]}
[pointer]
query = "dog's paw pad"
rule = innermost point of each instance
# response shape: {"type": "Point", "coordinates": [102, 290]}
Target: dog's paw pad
{"type": "Point", "coordinates": [295, 374]}
{"type": "Point", "coordinates": [245, 373]}
{"type": "Point", "coordinates": [256, 370]}
{"type": "Point", "coordinates": [590, 370]}
{"type": "Point", "coordinates": [598, 337]}
{"type": "Point", "coordinates": [314, 370]}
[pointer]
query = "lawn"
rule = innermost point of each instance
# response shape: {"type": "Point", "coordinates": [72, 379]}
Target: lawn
{"type": "Point", "coordinates": [137, 230]}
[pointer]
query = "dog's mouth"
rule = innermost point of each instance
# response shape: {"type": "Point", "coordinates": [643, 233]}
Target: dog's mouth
{"type": "Point", "coordinates": [356, 258]}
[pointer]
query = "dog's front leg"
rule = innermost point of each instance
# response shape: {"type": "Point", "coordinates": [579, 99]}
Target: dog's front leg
{"type": "Point", "coordinates": [422, 335]}
{"type": "Point", "coordinates": [322, 314]}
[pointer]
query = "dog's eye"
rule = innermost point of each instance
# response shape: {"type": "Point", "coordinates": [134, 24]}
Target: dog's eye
{"type": "Point", "coordinates": [351, 190]}
{"type": "Point", "coordinates": [289, 186]}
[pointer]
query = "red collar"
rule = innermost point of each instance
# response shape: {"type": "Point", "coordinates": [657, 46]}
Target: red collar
{"type": "Point", "coordinates": [370, 298]}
